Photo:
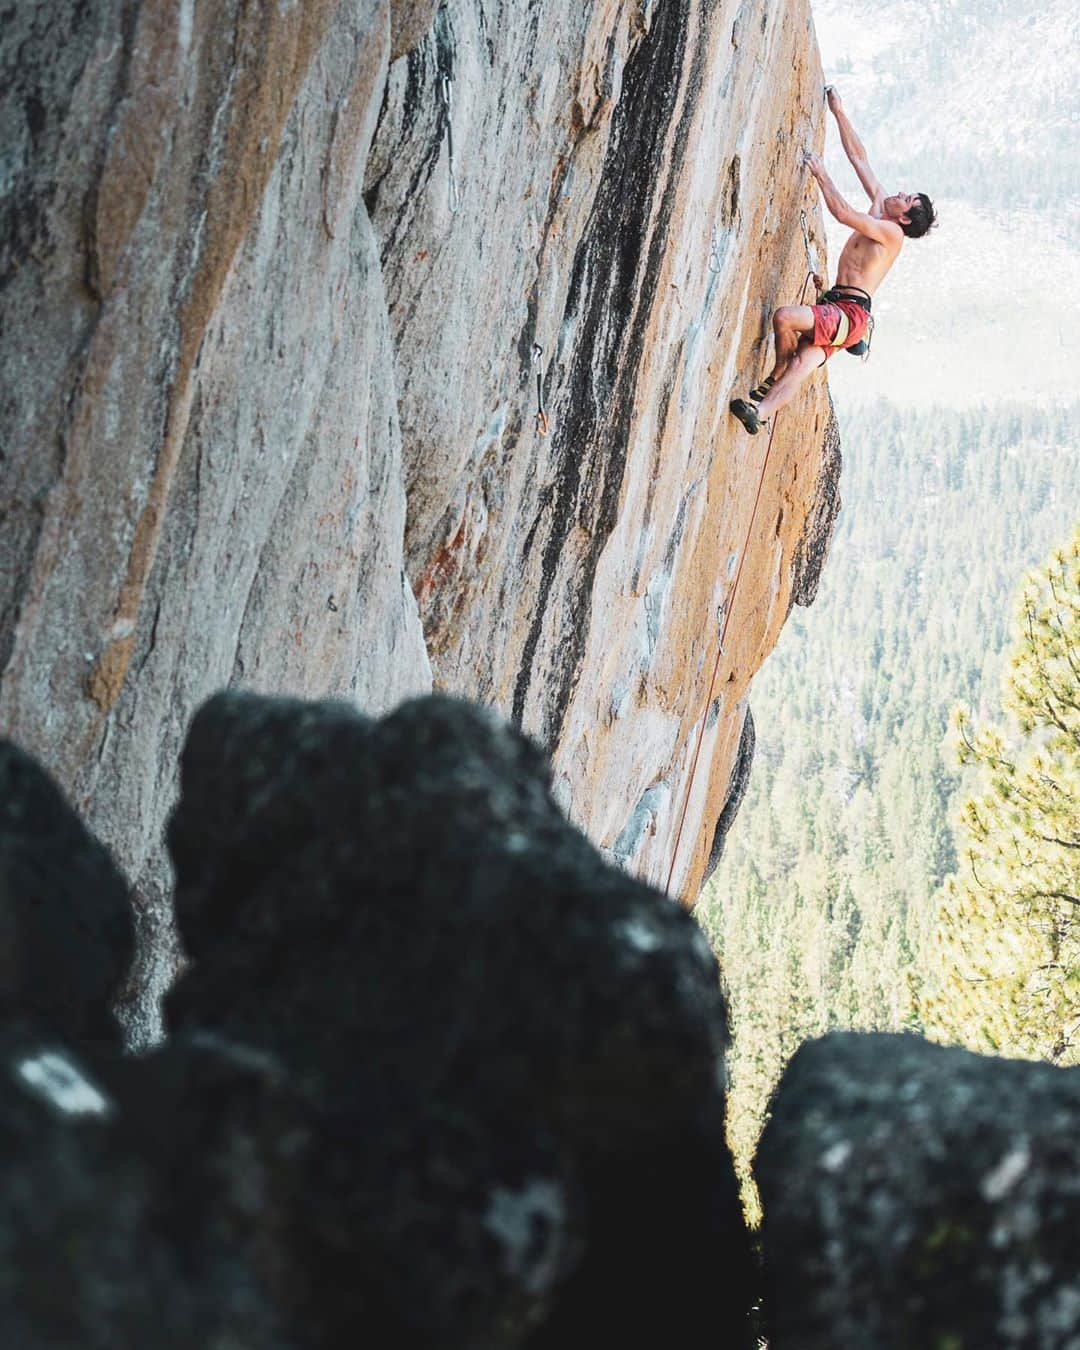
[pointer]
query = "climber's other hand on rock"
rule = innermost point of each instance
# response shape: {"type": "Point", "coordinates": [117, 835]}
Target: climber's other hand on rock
{"type": "Point", "coordinates": [813, 162]}
{"type": "Point", "coordinates": [833, 95]}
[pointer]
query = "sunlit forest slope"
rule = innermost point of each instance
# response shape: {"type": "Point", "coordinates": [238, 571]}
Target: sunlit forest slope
{"type": "Point", "coordinates": [821, 910]}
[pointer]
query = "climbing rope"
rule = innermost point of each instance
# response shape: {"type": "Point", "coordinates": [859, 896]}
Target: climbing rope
{"type": "Point", "coordinates": [724, 618]}
{"type": "Point", "coordinates": [448, 100]}
{"type": "Point", "coordinates": [540, 421]}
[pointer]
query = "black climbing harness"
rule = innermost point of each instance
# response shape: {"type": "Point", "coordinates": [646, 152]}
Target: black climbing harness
{"type": "Point", "coordinates": [854, 295]}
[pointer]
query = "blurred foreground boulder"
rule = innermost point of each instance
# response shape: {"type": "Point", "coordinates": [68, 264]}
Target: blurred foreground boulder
{"type": "Point", "coordinates": [191, 1199]}
{"type": "Point", "coordinates": [531, 1042]}
{"type": "Point", "coordinates": [438, 1076]}
{"type": "Point", "coordinates": [157, 1203]}
{"type": "Point", "coordinates": [66, 933]}
{"type": "Point", "coordinates": [917, 1196]}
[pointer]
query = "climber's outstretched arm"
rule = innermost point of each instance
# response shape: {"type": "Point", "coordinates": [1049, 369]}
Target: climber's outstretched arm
{"type": "Point", "coordinates": [883, 231]}
{"type": "Point", "coordinates": [855, 150]}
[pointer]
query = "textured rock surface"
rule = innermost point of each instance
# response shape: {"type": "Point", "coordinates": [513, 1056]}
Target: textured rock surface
{"type": "Point", "coordinates": [65, 919]}
{"type": "Point", "coordinates": [920, 1196]}
{"type": "Point", "coordinates": [409, 22]}
{"type": "Point", "coordinates": [260, 386]}
{"type": "Point", "coordinates": [207, 482]}
{"type": "Point", "coordinates": [740, 780]}
{"type": "Point", "coordinates": [813, 547]}
{"type": "Point", "coordinates": [530, 1042]}
{"type": "Point", "coordinates": [631, 201]}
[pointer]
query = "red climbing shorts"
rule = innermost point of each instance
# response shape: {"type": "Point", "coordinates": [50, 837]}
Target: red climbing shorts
{"type": "Point", "coordinates": [829, 325]}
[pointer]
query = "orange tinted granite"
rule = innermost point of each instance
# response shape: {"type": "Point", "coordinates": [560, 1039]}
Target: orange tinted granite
{"type": "Point", "coordinates": [271, 399]}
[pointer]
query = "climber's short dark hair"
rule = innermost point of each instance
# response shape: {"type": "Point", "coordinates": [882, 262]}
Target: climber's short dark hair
{"type": "Point", "coordinates": [921, 216]}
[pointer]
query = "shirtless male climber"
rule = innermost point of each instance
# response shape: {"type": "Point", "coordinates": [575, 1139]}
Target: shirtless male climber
{"type": "Point", "coordinates": [807, 335]}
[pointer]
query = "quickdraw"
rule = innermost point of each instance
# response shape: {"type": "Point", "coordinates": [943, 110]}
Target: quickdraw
{"type": "Point", "coordinates": [540, 421]}
{"type": "Point", "coordinates": [713, 261]}
{"type": "Point", "coordinates": [448, 101]}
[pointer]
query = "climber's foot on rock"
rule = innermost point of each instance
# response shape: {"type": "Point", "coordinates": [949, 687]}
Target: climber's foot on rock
{"type": "Point", "coordinates": [756, 395]}
{"type": "Point", "coordinates": [748, 415]}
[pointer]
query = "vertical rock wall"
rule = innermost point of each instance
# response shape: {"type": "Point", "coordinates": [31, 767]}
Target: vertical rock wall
{"type": "Point", "coordinates": [632, 201]}
{"type": "Point", "coordinates": [266, 399]}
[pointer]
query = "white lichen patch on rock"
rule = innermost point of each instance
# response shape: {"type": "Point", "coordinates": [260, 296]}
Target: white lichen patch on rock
{"type": "Point", "coordinates": [529, 1225]}
{"type": "Point", "coordinates": [641, 935]}
{"type": "Point", "coordinates": [998, 1183]}
{"type": "Point", "coordinates": [54, 1079]}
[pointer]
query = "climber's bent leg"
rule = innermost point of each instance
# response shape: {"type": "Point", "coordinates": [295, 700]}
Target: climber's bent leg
{"type": "Point", "coordinates": [801, 366]}
{"type": "Point", "coordinates": [790, 323]}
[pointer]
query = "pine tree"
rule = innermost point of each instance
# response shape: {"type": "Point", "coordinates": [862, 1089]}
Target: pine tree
{"type": "Point", "coordinates": [1009, 919]}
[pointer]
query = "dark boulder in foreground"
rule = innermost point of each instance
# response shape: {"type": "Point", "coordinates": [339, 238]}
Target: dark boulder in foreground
{"type": "Point", "coordinates": [440, 1079]}
{"type": "Point", "coordinates": [66, 932]}
{"type": "Point", "coordinates": [194, 1198]}
{"type": "Point", "coordinates": [916, 1196]}
{"type": "Point", "coordinates": [528, 1043]}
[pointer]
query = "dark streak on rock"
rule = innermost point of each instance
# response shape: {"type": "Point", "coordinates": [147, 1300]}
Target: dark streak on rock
{"type": "Point", "coordinates": [38, 78]}
{"type": "Point", "coordinates": [737, 785]}
{"type": "Point", "coordinates": [730, 205]}
{"type": "Point", "coordinates": [612, 290]}
{"type": "Point", "coordinates": [654, 475]}
{"type": "Point", "coordinates": [485, 34]}
{"type": "Point", "coordinates": [542, 507]}
{"type": "Point", "coordinates": [423, 82]}
{"type": "Point", "coordinates": [414, 91]}
{"type": "Point", "coordinates": [677, 530]}
{"type": "Point", "coordinates": [37, 89]}
{"type": "Point", "coordinates": [152, 642]}
{"type": "Point", "coordinates": [812, 550]}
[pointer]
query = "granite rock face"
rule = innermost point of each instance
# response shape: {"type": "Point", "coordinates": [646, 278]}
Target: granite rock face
{"type": "Point", "coordinates": [921, 1196]}
{"type": "Point", "coordinates": [529, 1042]}
{"type": "Point", "coordinates": [267, 386]}
{"type": "Point", "coordinates": [630, 202]}
{"type": "Point", "coordinates": [201, 479]}
{"type": "Point", "coordinates": [740, 781]}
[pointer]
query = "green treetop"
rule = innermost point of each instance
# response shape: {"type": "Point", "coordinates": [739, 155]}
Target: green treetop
{"type": "Point", "coordinates": [1008, 969]}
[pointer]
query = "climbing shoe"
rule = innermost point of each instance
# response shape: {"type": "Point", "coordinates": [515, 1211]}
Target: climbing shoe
{"type": "Point", "coordinates": [756, 395]}
{"type": "Point", "coordinates": [748, 415]}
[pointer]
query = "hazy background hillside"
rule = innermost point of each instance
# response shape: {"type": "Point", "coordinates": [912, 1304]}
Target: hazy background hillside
{"type": "Point", "coordinates": [976, 102]}
{"type": "Point", "coordinates": [962, 459]}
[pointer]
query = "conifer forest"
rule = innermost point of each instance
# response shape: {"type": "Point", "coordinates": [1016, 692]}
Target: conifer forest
{"type": "Point", "coordinates": [908, 853]}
